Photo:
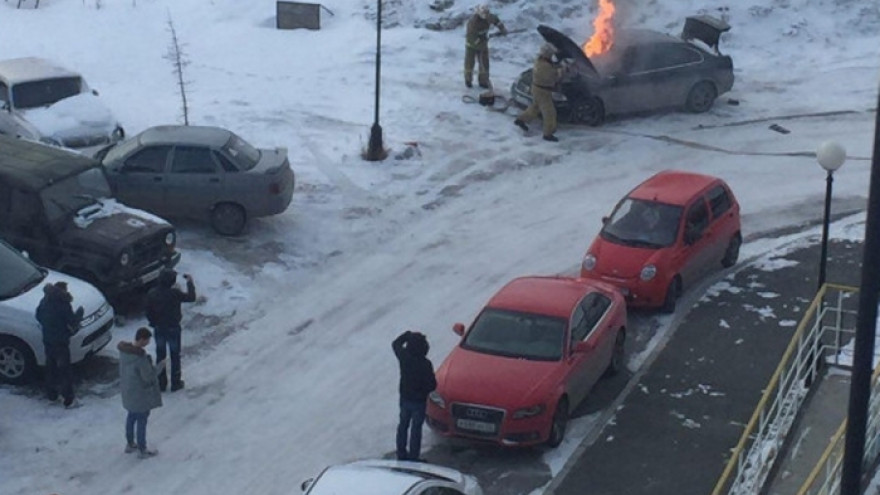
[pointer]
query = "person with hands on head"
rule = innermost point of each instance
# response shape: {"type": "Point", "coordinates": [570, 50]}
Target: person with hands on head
{"type": "Point", "coordinates": [417, 380]}
{"type": "Point", "coordinates": [164, 315]}
{"type": "Point", "coordinates": [58, 322]}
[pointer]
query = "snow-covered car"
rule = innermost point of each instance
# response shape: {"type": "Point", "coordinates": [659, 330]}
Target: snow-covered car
{"type": "Point", "coordinates": [199, 172]}
{"type": "Point", "coordinates": [21, 340]}
{"type": "Point", "coordinates": [642, 71]}
{"type": "Point", "coordinates": [42, 101]}
{"type": "Point", "coordinates": [385, 477]}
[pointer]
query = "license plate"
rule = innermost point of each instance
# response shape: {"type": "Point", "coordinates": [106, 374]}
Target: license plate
{"type": "Point", "coordinates": [153, 275]}
{"type": "Point", "coordinates": [468, 424]}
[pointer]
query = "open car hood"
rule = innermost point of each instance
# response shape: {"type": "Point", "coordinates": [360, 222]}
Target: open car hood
{"type": "Point", "coordinates": [705, 28]}
{"type": "Point", "coordinates": [567, 49]}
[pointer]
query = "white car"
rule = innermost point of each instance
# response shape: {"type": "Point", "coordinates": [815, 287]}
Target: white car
{"type": "Point", "coordinates": [44, 102]}
{"type": "Point", "coordinates": [381, 477]}
{"type": "Point", "coordinates": [21, 339]}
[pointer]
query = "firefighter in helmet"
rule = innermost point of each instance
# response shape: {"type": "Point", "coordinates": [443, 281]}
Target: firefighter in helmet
{"type": "Point", "coordinates": [545, 76]}
{"type": "Point", "coordinates": [477, 44]}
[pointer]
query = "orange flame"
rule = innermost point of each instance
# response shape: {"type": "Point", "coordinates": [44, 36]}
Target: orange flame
{"type": "Point", "coordinates": [603, 34]}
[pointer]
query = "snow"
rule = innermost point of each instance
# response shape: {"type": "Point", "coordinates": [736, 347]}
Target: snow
{"type": "Point", "coordinates": [287, 351]}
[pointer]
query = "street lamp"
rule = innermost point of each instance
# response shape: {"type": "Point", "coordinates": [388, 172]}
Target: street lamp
{"type": "Point", "coordinates": [830, 156]}
{"type": "Point", "coordinates": [375, 149]}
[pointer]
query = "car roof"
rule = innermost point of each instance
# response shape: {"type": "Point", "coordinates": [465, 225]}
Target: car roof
{"type": "Point", "coordinates": [34, 165]}
{"type": "Point", "coordinates": [551, 296]}
{"type": "Point", "coordinates": [185, 134]}
{"type": "Point", "coordinates": [673, 187]}
{"type": "Point", "coordinates": [378, 477]}
{"type": "Point", "coordinates": [18, 70]}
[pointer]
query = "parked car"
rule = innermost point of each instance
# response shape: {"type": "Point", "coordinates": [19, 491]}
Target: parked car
{"type": "Point", "coordinates": [204, 173]}
{"type": "Point", "coordinates": [42, 101]}
{"type": "Point", "coordinates": [530, 357]}
{"type": "Point", "coordinates": [382, 477]}
{"type": "Point", "coordinates": [21, 339]}
{"type": "Point", "coordinates": [642, 71]}
{"type": "Point", "coordinates": [666, 234]}
{"type": "Point", "coordinates": [57, 206]}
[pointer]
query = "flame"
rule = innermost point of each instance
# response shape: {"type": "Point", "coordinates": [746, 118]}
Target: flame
{"type": "Point", "coordinates": [603, 30]}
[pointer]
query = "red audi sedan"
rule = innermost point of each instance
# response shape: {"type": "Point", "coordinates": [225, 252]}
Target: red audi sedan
{"type": "Point", "coordinates": [667, 233]}
{"type": "Point", "coordinates": [531, 355]}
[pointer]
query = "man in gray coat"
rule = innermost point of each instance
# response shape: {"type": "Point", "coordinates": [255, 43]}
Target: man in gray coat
{"type": "Point", "coordinates": [139, 384]}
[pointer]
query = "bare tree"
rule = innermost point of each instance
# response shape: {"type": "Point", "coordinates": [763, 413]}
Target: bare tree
{"type": "Point", "coordinates": [179, 61]}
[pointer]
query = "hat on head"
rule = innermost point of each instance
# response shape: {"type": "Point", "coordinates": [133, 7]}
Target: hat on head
{"type": "Point", "coordinates": [547, 50]}
{"type": "Point", "coordinates": [482, 10]}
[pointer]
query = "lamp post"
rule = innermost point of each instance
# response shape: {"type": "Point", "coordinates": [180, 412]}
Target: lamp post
{"type": "Point", "coordinates": [375, 149]}
{"type": "Point", "coordinates": [830, 156]}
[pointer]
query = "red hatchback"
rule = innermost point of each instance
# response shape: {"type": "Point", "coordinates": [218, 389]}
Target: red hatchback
{"type": "Point", "coordinates": [664, 235]}
{"type": "Point", "coordinates": [532, 354]}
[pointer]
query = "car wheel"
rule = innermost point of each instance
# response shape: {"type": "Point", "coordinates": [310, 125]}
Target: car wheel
{"type": "Point", "coordinates": [17, 363]}
{"type": "Point", "coordinates": [672, 294]}
{"type": "Point", "coordinates": [589, 111]}
{"type": "Point", "coordinates": [617, 356]}
{"type": "Point", "coordinates": [560, 421]}
{"type": "Point", "coordinates": [228, 219]}
{"type": "Point", "coordinates": [731, 255]}
{"type": "Point", "coordinates": [701, 98]}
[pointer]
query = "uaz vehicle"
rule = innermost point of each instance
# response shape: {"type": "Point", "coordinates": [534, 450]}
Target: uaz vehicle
{"type": "Point", "coordinates": [668, 232]}
{"type": "Point", "coordinates": [382, 477]}
{"type": "Point", "coordinates": [530, 357]}
{"type": "Point", "coordinates": [21, 340]}
{"type": "Point", "coordinates": [642, 71]}
{"type": "Point", "coordinates": [57, 206]}
{"type": "Point", "coordinates": [205, 173]}
{"type": "Point", "coordinates": [44, 102]}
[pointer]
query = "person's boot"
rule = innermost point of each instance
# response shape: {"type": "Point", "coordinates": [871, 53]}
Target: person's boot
{"type": "Point", "coordinates": [177, 385]}
{"type": "Point", "coordinates": [551, 138]}
{"type": "Point", "coordinates": [522, 125]}
{"type": "Point", "coordinates": [469, 84]}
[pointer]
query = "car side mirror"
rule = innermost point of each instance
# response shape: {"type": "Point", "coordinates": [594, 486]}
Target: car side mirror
{"type": "Point", "coordinates": [306, 484]}
{"type": "Point", "coordinates": [458, 328]}
{"type": "Point", "coordinates": [690, 236]}
{"type": "Point", "coordinates": [604, 220]}
{"type": "Point", "coordinates": [584, 347]}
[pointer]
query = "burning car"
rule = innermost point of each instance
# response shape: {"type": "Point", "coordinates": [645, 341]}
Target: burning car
{"type": "Point", "coordinates": [637, 70]}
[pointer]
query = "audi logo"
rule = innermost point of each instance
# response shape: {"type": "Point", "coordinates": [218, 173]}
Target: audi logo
{"type": "Point", "coordinates": [476, 414]}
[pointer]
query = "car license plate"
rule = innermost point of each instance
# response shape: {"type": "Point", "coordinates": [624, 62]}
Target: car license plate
{"type": "Point", "coordinates": [468, 424]}
{"type": "Point", "coordinates": [153, 275]}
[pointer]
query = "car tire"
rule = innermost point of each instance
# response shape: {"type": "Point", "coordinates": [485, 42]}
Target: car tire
{"type": "Point", "coordinates": [701, 97]}
{"type": "Point", "coordinates": [560, 422]}
{"type": "Point", "coordinates": [673, 292]}
{"type": "Point", "coordinates": [731, 254]}
{"type": "Point", "coordinates": [617, 355]}
{"type": "Point", "coordinates": [228, 219]}
{"type": "Point", "coordinates": [589, 111]}
{"type": "Point", "coordinates": [17, 363]}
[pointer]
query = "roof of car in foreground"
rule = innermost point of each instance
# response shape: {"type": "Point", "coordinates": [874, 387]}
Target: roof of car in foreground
{"type": "Point", "coordinates": [18, 70]}
{"type": "Point", "coordinates": [34, 165]}
{"type": "Point", "coordinates": [185, 134]}
{"type": "Point", "coordinates": [551, 296]}
{"type": "Point", "coordinates": [378, 477]}
{"type": "Point", "coordinates": [672, 187]}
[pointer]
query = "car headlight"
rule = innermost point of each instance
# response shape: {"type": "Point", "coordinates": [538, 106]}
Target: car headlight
{"type": "Point", "coordinates": [437, 399]}
{"type": "Point", "coordinates": [124, 258]}
{"type": "Point", "coordinates": [170, 238]}
{"type": "Point", "coordinates": [529, 412]}
{"type": "Point", "coordinates": [589, 262]}
{"type": "Point", "coordinates": [648, 272]}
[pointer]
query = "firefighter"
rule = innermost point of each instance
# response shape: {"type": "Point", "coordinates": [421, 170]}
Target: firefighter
{"type": "Point", "coordinates": [545, 76]}
{"type": "Point", "coordinates": [477, 44]}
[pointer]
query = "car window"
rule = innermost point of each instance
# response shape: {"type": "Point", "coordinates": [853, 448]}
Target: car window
{"type": "Point", "coordinates": [69, 195]}
{"type": "Point", "coordinates": [192, 160]}
{"type": "Point", "coordinates": [4, 96]}
{"type": "Point", "coordinates": [148, 160]}
{"type": "Point", "coordinates": [515, 334]}
{"type": "Point", "coordinates": [672, 55]}
{"type": "Point", "coordinates": [19, 273]}
{"type": "Point", "coordinates": [242, 152]}
{"type": "Point", "coordinates": [642, 223]}
{"type": "Point", "coordinates": [697, 218]}
{"type": "Point", "coordinates": [224, 162]}
{"type": "Point", "coordinates": [588, 314]}
{"type": "Point", "coordinates": [43, 93]}
{"type": "Point", "coordinates": [440, 490]}
{"type": "Point", "coordinates": [719, 200]}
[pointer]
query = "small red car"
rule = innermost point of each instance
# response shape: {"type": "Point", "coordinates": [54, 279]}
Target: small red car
{"type": "Point", "coordinates": [531, 355]}
{"type": "Point", "coordinates": [668, 232]}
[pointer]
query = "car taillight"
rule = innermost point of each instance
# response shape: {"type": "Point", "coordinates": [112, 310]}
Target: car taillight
{"type": "Point", "coordinates": [274, 188]}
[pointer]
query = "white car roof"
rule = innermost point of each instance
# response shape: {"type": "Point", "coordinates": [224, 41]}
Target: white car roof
{"type": "Point", "coordinates": [379, 477]}
{"type": "Point", "coordinates": [19, 70]}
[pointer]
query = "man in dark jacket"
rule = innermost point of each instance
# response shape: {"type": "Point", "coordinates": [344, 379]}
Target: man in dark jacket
{"type": "Point", "coordinates": [163, 313]}
{"type": "Point", "coordinates": [58, 322]}
{"type": "Point", "coordinates": [416, 382]}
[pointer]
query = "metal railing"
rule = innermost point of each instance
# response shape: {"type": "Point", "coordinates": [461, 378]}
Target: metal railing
{"type": "Point", "coordinates": [822, 336]}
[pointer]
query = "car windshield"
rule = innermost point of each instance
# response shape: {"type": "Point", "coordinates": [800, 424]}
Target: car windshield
{"type": "Point", "coordinates": [116, 152]}
{"type": "Point", "coordinates": [244, 154]}
{"type": "Point", "coordinates": [518, 335]}
{"type": "Point", "coordinates": [641, 223]}
{"type": "Point", "coordinates": [44, 93]}
{"type": "Point", "coordinates": [19, 274]}
{"type": "Point", "coordinates": [69, 195]}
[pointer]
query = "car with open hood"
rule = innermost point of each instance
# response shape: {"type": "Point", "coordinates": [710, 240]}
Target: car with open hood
{"type": "Point", "coordinates": [385, 477]}
{"type": "Point", "coordinates": [57, 206]}
{"type": "Point", "coordinates": [642, 71]}
{"type": "Point", "coordinates": [530, 357]}
{"type": "Point", "coordinates": [666, 234]}
{"type": "Point", "coordinates": [42, 101]}
{"type": "Point", "coordinates": [21, 339]}
{"type": "Point", "coordinates": [200, 172]}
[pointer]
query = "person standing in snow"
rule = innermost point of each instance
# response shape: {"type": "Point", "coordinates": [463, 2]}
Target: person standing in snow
{"type": "Point", "coordinates": [139, 384]}
{"type": "Point", "coordinates": [58, 322]}
{"type": "Point", "coordinates": [477, 44]}
{"type": "Point", "coordinates": [417, 380]}
{"type": "Point", "coordinates": [164, 315]}
{"type": "Point", "coordinates": [545, 76]}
